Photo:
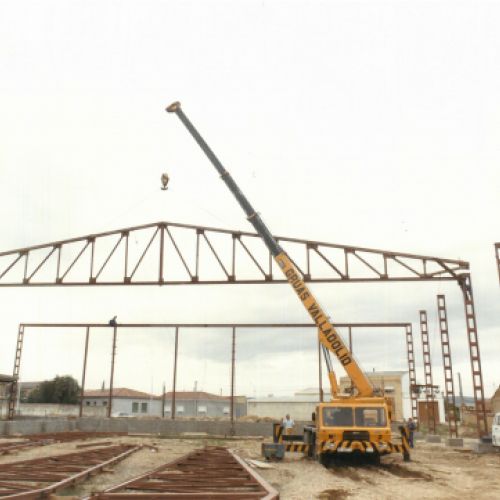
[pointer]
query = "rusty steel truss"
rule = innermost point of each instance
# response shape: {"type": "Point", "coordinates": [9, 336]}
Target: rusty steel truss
{"type": "Point", "coordinates": [41, 477]}
{"type": "Point", "coordinates": [429, 392]}
{"type": "Point", "coordinates": [231, 327]}
{"type": "Point", "coordinates": [179, 254]}
{"type": "Point", "coordinates": [213, 472]}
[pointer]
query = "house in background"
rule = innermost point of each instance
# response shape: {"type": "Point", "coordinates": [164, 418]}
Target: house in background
{"type": "Point", "coordinates": [126, 402]}
{"type": "Point", "coordinates": [26, 388]}
{"type": "Point", "coordinates": [203, 404]}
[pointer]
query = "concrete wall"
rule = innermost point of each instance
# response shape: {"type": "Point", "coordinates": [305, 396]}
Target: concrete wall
{"type": "Point", "coordinates": [298, 410]}
{"type": "Point", "coordinates": [165, 427]}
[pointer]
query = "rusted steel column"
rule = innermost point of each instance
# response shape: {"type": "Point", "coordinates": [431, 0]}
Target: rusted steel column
{"type": "Point", "coordinates": [320, 381]}
{"type": "Point", "coordinates": [84, 371]}
{"type": "Point", "coordinates": [163, 401]}
{"type": "Point", "coordinates": [350, 340]}
{"type": "Point", "coordinates": [497, 251]}
{"type": "Point", "coordinates": [411, 370]}
{"type": "Point", "coordinates": [15, 373]}
{"type": "Point", "coordinates": [429, 386]}
{"type": "Point", "coordinates": [447, 366]}
{"type": "Point", "coordinates": [475, 358]}
{"type": "Point", "coordinates": [161, 227]}
{"type": "Point", "coordinates": [176, 346]}
{"type": "Point", "coordinates": [233, 352]}
{"type": "Point", "coordinates": [111, 378]}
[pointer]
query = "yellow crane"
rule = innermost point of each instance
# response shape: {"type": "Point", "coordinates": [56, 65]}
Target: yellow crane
{"type": "Point", "coordinates": [358, 423]}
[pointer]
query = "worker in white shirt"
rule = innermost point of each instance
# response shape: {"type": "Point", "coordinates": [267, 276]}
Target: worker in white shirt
{"type": "Point", "coordinates": [287, 424]}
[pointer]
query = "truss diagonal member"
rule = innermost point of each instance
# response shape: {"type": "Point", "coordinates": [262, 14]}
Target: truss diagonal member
{"type": "Point", "coordinates": [401, 263]}
{"type": "Point", "coordinates": [143, 254]}
{"type": "Point", "coordinates": [176, 247]}
{"type": "Point", "coordinates": [11, 265]}
{"type": "Point", "coordinates": [216, 255]}
{"type": "Point", "coordinates": [74, 261]}
{"type": "Point", "coordinates": [107, 258]}
{"type": "Point", "coordinates": [327, 260]}
{"type": "Point", "coordinates": [354, 252]}
{"type": "Point", "coordinates": [254, 260]}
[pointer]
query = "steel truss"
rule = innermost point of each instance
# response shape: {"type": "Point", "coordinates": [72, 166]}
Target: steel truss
{"type": "Point", "coordinates": [177, 251]}
{"type": "Point", "coordinates": [429, 392]}
{"type": "Point", "coordinates": [213, 472]}
{"type": "Point", "coordinates": [230, 327]}
{"type": "Point", "coordinates": [41, 477]}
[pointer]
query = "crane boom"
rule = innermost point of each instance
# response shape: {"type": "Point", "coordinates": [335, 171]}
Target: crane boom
{"type": "Point", "coordinates": [328, 335]}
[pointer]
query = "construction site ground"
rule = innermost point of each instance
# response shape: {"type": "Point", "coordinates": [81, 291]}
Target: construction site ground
{"type": "Point", "coordinates": [435, 471]}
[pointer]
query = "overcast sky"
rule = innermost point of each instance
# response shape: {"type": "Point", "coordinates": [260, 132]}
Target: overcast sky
{"type": "Point", "coordinates": [365, 123]}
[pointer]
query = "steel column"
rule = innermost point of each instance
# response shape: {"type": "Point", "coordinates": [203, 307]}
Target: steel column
{"type": "Point", "coordinates": [411, 370]}
{"type": "Point", "coordinates": [111, 377]}
{"type": "Point", "coordinates": [429, 386]}
{"type": "Point", "coordinates": [15, 373]}
{"type": "Point", "coordinates": [233, 352]}
{"type": "Point", "coordinates": [475, 358]}
{"type": "Point", "coordinates": [84, 371]}
{"type": "Point", "coordinates": [497, 252]}
{"type": "Point", "coordinates": [174, 385]}
{"type": "Point", "coordinates": [320, 375]}
{"type": "Point", "coordinates": [447, 366]}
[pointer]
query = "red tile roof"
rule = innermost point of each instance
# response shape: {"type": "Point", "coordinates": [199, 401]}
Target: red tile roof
{"type": "Point", "coordinates": [118, 392]}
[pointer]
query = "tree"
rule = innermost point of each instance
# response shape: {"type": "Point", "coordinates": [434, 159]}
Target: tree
{"type": "Point", "coordinates": [61, 390]}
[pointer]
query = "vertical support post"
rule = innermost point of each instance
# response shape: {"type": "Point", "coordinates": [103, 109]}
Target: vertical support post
{"type": "Point", "coordinates": [449, 388]}
{"type": "Point", "coordinates": [84, 371]}
{"type": "Point", "coordinates": [497, 252]}
{"type": "Point", "coordinates": [111, 377]}
{"type": "Point", "coordinates": [162, 246]}
{"type": "Point", "coordinates": [475, 359]}
{"type": "Point", "coordinates": [163, 401]}
{"type": "Point", "coordinates": [411, 370]}
{"type": "Point", "coordinates": [429, 386]}
{"type": "Point", "coordinates": [320, 373]}
{"type": "Point", "coordinates": [233, 356]}
{"type": "Point", "coordinates": [15, 373]}
{"type": "Point", "coordinates": [350, 349]}
{"type": "Point", "coordinates": [176, 345]}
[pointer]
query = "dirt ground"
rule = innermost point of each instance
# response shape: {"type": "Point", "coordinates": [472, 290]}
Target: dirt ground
{"type": "Point", "coordinates": [435, 471]}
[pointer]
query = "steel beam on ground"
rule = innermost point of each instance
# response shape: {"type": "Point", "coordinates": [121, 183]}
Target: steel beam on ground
{"type": "Point", "coordinates": [41, 477]}
{"type": "Point", "coordinates": [319, 262]}
{"type": "Point", "coordinates": [212, 472]}
{"type": "Point", "coordinates": [449, 388]}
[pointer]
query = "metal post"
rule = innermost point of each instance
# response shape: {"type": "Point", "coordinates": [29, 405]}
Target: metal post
{"type": "Point", "coordinates": [163, 401]}
{"type": "Point", "coordinates": [175, 372]}
{"type": "Point", "coordinates": [84, 371]}
{"type": "Point", "coordinates": [15, 374]}
{"type": "Point", "coordinates": [447, 366]}
{"type": "Point", "coordinates": [350, 340]}
{"type": "Point", "coordinates": [113, 352]}
{"type": "Point", "coordinates": [429, 386]}
{"type": "Point", "coordinates": [233, 352]}
{"type": "Point", "coordinates": [320, 372]}
{"type": "Point", "coordinates": [411, 370]}
{"type": "Point", "coordinates": [497, 253]}
{"type": "Point", "coordinates": [475, 358]}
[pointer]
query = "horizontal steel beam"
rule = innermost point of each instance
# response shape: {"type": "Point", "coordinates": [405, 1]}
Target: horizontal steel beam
{"type": "Point", "coordinates": [169, 253]}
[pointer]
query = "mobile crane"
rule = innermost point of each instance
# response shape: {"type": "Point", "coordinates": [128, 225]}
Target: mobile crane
{"type": "Point", "coordinates": [358, 423]}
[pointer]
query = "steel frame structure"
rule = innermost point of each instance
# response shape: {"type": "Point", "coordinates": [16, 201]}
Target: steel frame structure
{"type": "Point", "coordinates": [232, 327]}
{"type": "Point", "coordinates": [319, 262]}
{"type": "Point", "coordinates": [449, 387]}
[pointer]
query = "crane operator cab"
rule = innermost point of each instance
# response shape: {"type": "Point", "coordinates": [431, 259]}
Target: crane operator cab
{"type": "Point", "coordinates": [351, 426]}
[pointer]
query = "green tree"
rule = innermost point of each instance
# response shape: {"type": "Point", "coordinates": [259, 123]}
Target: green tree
{"type": "Point", "coordinates": [62, 390]}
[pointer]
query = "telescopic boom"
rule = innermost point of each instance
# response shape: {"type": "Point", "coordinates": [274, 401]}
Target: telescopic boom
{"type": "Point", "coordinates": [328, 335]}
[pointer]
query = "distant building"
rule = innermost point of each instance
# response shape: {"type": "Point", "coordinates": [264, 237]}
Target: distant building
{"type": "Point", "coordinates": [5, 385]}
{"type": "Point", "coordinates": [203, 404]}
{"type": "Point", "coordinates": [26, 388]}
{"type": "Point", "coordinates": [125, 401]}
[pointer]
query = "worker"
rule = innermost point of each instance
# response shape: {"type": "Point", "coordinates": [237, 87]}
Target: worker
{"type": "Point", "coordinates": [410, 426]}
{"type": "Point", "coordinates": [287, 424]}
